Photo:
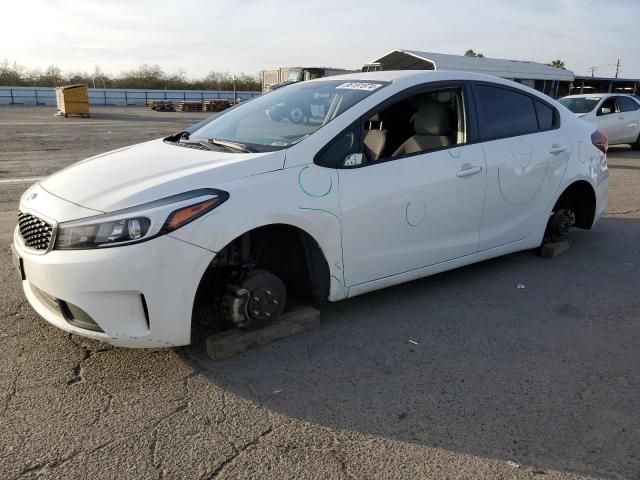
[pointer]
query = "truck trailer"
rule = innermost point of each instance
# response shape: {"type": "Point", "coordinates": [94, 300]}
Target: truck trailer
{"type": "Point", "coordinates": [281, 77]}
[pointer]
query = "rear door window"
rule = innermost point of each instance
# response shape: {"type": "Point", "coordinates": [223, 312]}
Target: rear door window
{"type": "Point", "coordinates": [627, 105]}
{"type": "Point", "coordinates": [505, 113]}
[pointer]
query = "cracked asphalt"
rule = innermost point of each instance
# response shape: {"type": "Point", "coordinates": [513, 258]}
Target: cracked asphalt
{"type": "Point", "coordinates": [497, 382]}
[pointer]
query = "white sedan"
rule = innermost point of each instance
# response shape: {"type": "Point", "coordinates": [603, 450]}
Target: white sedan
{"type": "Point", "coordinates": [618, 116]}
{"type": "Point", "coordinates": [388, 177]}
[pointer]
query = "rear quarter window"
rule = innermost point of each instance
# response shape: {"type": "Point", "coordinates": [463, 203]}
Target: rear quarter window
{"type": "Point", "coordinates": [547, 116]}
{"type": "Point", "coordinates": [505, 113]}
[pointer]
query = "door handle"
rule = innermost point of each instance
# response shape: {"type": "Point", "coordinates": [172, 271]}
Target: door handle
{"type": "Point", "coordinates": [468, 171]}
{"type": "Point", "coordinates": [557, 148]}
{"type": "Point", "coordinates": [620, 118]}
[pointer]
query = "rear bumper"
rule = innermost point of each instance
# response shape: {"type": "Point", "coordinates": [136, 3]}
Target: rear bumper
{"type": "Point", "coordinates": [602, 194]}
{"type": "Point", "coordinates": [110, 285]}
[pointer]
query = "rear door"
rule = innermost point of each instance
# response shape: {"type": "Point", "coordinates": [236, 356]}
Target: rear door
{"type": "Point", "coordinates": [526, 154]}
{"type": "Point", "coordinates": [630, 116]}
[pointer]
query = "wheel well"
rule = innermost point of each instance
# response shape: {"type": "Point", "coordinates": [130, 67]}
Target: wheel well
{"type": "Point", "coordinates": [285, 250]}
{"type": "Point", "coordinates": [580, 198]}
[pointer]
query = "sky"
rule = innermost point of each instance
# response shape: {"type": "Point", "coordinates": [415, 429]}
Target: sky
{"type": "Point", "coordinates": [199, 36]}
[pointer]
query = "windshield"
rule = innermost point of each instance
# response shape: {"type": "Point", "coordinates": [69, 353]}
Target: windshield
{"type": "Point", "coordinates": [312, 74]}
{"type": "Point", "coordinates": [286, 116]}
{"type": "Point", "coordinates": [581, 104]}
{"type": "Point", "coordinates": [294, 76]}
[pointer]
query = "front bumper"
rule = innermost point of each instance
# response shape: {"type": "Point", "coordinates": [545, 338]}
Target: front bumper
{"type": "Point", "coordinates": [109, 285]}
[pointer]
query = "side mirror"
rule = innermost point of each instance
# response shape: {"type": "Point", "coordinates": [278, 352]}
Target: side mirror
{"type": "Point", "coordinates": [604, 111]}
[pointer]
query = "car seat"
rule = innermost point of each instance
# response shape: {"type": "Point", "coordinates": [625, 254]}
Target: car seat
{"type": "Point", "coordinates": [433, 129]}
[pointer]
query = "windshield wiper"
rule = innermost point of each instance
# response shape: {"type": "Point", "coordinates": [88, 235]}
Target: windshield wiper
{"type": "Point", "coordinates": [230, 144]}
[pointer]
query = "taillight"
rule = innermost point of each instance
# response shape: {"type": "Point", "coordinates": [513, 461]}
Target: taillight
{"type": "Point", "coordinates": [600, 141]}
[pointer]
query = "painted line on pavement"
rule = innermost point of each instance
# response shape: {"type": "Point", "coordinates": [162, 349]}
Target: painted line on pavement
{"type": "Point", "coordinates": [21, 180]}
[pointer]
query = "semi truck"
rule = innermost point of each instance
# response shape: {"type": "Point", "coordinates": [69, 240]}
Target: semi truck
{"type": "Point", "coordinates": [281, 77]}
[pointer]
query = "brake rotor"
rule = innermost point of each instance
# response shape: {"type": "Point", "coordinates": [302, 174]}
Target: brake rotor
{"type": "Point", "coordinates": [258, 300]}
{"type": "Point", "coordinates": [561, 224]}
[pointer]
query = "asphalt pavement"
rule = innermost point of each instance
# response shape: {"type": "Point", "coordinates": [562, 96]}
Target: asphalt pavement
{"type": "Point", "coordinates": [459, 375]}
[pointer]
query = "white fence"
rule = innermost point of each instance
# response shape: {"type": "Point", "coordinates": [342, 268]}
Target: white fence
{"type": "Point", "coordinates": [113, 96]}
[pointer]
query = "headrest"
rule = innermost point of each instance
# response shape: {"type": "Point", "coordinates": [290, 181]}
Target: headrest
{"type": "Point", "coordinates": [432, 119]}
{"type": "Point", "coordinates": [374, 122]}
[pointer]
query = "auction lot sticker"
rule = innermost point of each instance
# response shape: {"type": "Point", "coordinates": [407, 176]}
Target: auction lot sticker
{"type": "Point", "coordinates": [370, 87]}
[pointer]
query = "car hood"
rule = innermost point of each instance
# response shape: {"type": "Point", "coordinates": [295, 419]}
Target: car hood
{"type": "Point", "coordinates": [152, 170]}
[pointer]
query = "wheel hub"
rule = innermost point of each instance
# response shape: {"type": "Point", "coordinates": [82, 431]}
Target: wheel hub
{"type": "Point", "coordinates": [259, 299]}
{"type": "Point", "coordinates": [263, 303]}
{"type": "Point", "coordinates": [561, 223]}
{"type": "Point", "coordinates": [296, 115]}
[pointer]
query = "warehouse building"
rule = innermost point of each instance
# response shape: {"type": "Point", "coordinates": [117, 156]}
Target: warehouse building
{"type": "Point", "coordinates": [629, 86]}
{"type": "Point", "coordinates": [555, 82]}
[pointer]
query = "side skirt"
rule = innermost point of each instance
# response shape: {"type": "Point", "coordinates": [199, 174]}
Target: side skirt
{"type": "Point", "coordinates": [524, 244]}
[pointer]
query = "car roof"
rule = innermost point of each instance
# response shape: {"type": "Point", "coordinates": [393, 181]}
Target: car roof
{"type": "Point", "coordinates": [598, 95]}
{"type": "Point", "coordinates": [588, 95]}
{"type": "Point", "coordinates": [426, 75]}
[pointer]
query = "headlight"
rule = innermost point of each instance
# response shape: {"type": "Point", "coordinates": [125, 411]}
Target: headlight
{"type": "Point", "coordinates": [137, 224]}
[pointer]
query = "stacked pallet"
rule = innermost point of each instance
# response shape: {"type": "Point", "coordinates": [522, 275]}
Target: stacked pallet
{"type": "Point", "coordinates": [189, 106]}
{"type": "Point", "coordinates": [216, 104]}
{"type": "Point", "coordinates": [161, 105]}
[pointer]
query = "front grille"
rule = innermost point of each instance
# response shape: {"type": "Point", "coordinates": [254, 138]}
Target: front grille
{"type": "Point", "coordinates": [35, 232]}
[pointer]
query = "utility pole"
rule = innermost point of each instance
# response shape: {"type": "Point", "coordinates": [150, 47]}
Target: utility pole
{"type": "Point", "coordinates": [235, 92]}
{"type": "Point", "coordinates": [593, 70]}
{"type": "Point", "coordinates": [618, 67]}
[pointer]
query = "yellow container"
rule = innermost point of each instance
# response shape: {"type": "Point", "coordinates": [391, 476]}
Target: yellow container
{"type": "Point", "coordinates": [73, 100]}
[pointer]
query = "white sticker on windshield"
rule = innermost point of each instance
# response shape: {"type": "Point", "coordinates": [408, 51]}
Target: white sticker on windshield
{"type": "Point", "coordinates": [370, 87]}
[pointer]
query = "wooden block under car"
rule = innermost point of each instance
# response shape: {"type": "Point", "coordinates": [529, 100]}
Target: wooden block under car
{"type": "Point", "coordinates": [232, 342]}
{"type": "Point", "coordinates": [554, 249]}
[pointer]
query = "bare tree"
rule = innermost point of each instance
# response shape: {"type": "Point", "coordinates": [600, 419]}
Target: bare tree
{"type": "Point", "coordinates": [11, 73]}
{"type": "Point", "coordinates": [145, 76]}
{"type": "Point", "coordinates": [52, 76]}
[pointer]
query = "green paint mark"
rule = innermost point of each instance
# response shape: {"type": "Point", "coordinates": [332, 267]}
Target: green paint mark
{"type": "Point", "coordinates": [406, 215]}
{"type": "Point", "coordinates": [337, 266]}
{"type": "Point", "coordinates": [337, 280]}
{"type": "Point", "coordinates": [320, 210]}
{"type": "Point", "coordinates": [454, 153]}
{"type": "Point", "coordinates": [314, 194]}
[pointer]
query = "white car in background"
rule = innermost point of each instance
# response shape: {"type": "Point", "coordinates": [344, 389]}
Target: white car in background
{"type": "Point", "coordinates": [391, 176]}
{"type": "Point", "coordinates": [618, 116]}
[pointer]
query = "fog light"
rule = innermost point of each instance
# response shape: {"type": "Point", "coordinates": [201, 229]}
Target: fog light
{"type": "Point", "coordinates": [77, 317]}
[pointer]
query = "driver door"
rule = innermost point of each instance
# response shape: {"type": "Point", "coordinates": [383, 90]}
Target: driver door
{"type": "Point", "coordinates": [404, 212]}
{"type": "Point", "coordinates": [608, 121]}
